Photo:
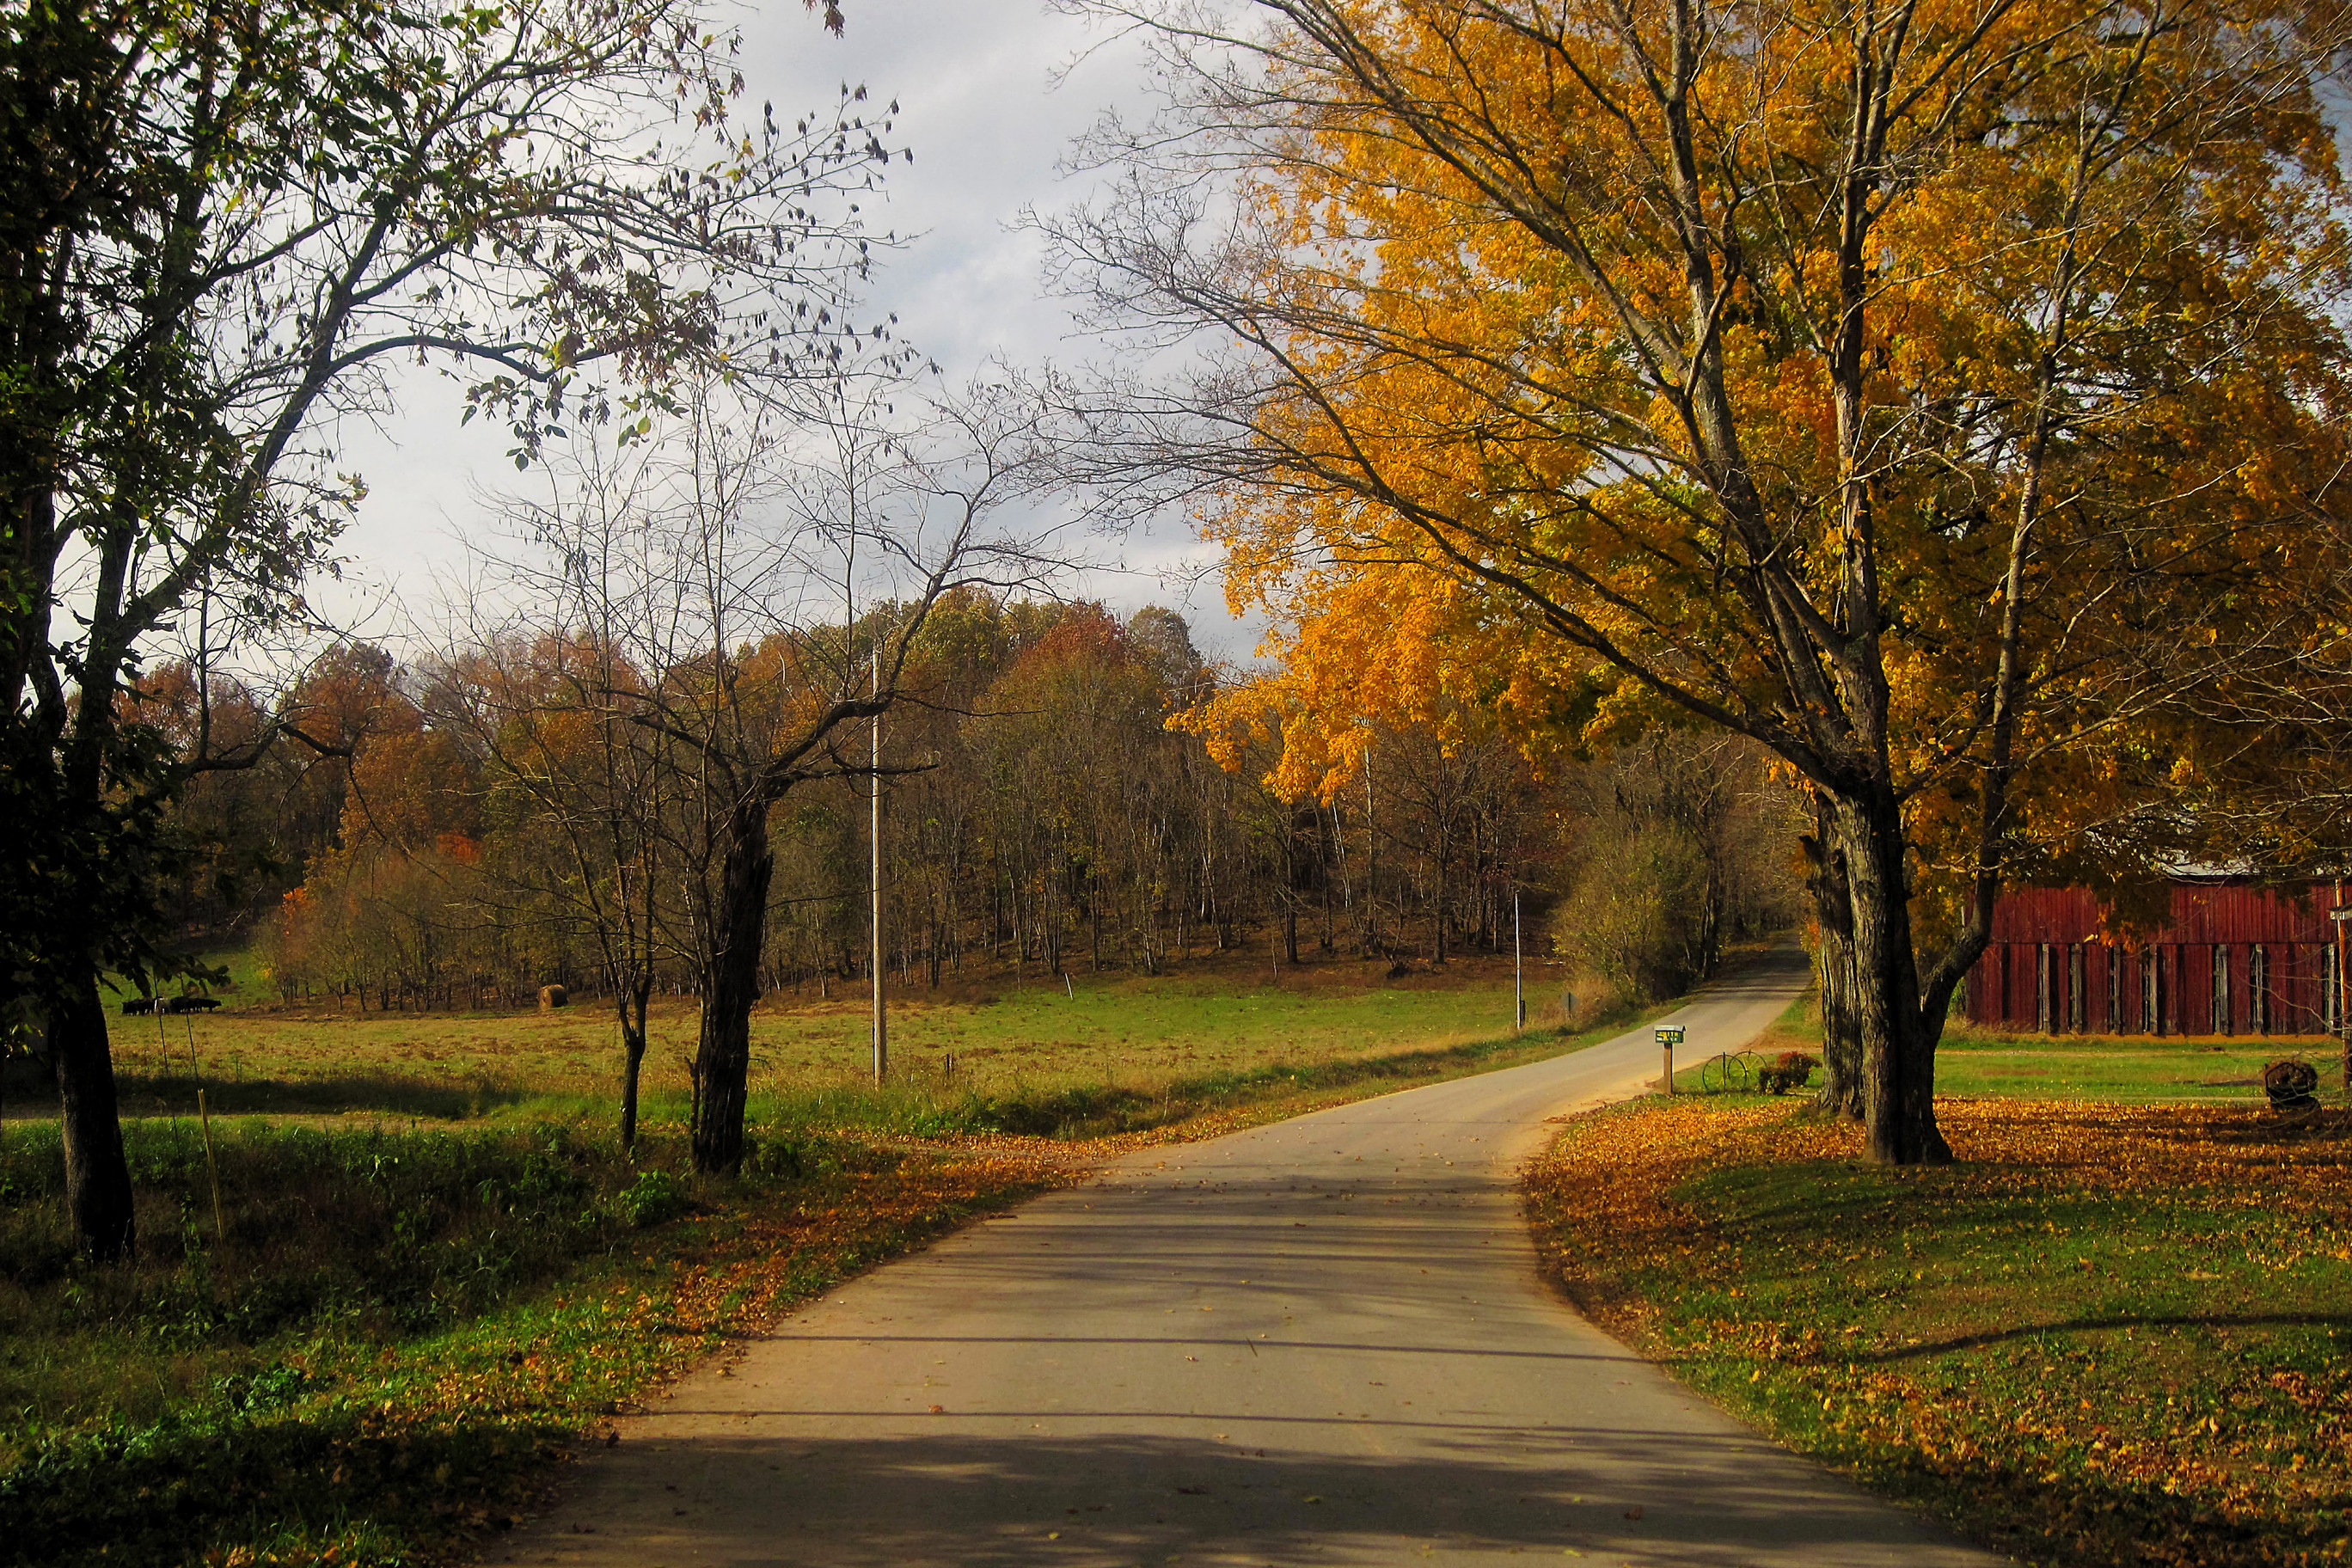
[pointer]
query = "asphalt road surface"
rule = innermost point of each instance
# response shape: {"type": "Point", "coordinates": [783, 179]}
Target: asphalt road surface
{"type": "Point", "coordinates": [1321, 1342]}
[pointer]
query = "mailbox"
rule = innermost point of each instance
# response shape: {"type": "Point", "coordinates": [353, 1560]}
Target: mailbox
{"type": "Point", "coordinates": [1669, 1037]}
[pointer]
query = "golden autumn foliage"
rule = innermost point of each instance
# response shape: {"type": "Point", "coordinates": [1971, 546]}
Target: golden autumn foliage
{"type": "Point", "coordinates": [1948, 396]}
{"type": "Point", "coordinates": [1499, 493]}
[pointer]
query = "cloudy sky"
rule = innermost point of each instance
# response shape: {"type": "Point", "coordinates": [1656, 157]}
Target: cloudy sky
{"type": "Point", "coordinates": [987, 120]}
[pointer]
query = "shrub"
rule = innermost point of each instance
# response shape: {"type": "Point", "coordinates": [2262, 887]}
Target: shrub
{"type": "Point", "coordinates": [655, 1197]}
{"type": "Point", "coordinates": [1789, 1070]}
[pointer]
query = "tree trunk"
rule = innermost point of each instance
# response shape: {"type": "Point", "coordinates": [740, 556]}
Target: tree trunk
{"type": "Point", "coordinates": [98, 1177]}
{"type": "Point", "coordinates": [1437, 908]}
{"type": "Point", "coordinates": [730, 985]}
{"type": "Point", "coordinates": [1897, 1038]}
{"type": "Point", "coordinates": [1840, 1092]}
{"type": "Point", "coordinates": [631, 999]}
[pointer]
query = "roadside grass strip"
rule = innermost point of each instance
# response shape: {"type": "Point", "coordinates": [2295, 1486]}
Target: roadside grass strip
{"type": "Point", "coordinates": [2110, 1334]}
{"type": "Point", "coordinates": [400, 1337]}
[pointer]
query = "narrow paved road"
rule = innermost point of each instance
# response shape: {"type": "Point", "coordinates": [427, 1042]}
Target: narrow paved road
{"type": "Point", "coordinates": [1321, 1342]}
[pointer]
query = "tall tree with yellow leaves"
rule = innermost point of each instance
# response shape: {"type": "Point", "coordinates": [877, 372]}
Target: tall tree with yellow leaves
{"type": "Point", "coordinates": [1932, 390]}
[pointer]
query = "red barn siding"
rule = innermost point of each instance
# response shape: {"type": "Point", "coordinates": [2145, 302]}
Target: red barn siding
{"type": "Point", "coordinates": [2052, 964]}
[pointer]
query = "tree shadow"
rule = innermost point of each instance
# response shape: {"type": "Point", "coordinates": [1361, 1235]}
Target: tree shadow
{"type": "Point", "coordinates": [2088, 1325]}
{"type": "Point", "coordinates": [176, 1095]}
{"type": "Point", "coordinates": [205, 1486]}
{"type": "Point", "coordinates": [982, 1493]}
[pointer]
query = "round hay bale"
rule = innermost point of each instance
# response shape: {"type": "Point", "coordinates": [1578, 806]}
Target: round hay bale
{"type": "Point", "coordinates": [551, 997]}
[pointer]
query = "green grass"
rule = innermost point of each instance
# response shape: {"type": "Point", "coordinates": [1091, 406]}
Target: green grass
{"type": "Point", "coordinates": [2110, 1335]}
{"type": "Point", "coordinates": [399, 1331]}
{"type": "Point", "coordinates": [2131, 1069]}
{"type": "Point", "coordinates": [2125, 1068]}
{"type": "Point", "coordinates": [1135, 1033]}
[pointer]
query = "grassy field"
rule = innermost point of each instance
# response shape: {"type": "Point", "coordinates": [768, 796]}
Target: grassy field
{"type": "Point", "coordinates": [1135, 1032]}
{"type": "Point", "coordinates": [2130, 1069]}
{"type": "Point", "coordinates": [2110, 1335]}
{"type": "Point", "coordinates": [402, 1318]}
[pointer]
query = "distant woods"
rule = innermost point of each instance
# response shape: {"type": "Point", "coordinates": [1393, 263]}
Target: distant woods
{"type": "Point", "coordinates": [1042, 815]}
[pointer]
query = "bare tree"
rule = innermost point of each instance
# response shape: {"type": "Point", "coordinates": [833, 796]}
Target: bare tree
{"type": "Point", "coordinates": [549, 694]}
{"type": "Point", "coordinates": [724, 591]}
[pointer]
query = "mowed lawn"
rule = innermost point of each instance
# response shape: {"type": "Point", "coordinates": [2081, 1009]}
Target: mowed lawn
{"type": "Point", "coordinates": [1138, 1032]}
{"type": "Point", "coordinates": [2131, 1069]}
{"type": "Point", "coordinates": [2123, 1069]}
{"type": "Point", "coordinates": [2108, 1336]}
{"type": "Point", "coordinates": [2114, 1334]}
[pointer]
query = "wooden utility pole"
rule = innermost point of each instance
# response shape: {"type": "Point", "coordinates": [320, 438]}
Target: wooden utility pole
{"type": "Point", "coordinates": [881, 1018]}
{"type": "Point", "coordinates": [1518, 971]}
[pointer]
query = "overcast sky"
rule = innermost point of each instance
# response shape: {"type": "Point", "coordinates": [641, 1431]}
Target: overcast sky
{"type": "Point", "coordinates": [980, 109]}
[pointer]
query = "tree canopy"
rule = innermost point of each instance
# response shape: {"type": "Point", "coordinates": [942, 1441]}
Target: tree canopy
{"type": "Point", "coordinates": [1942, 393]}
{"type": "Point", "coordinates": [226, 223]}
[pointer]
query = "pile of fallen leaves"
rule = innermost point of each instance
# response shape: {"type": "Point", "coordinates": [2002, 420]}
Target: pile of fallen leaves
{"type": "Point", "coordinates": [2105, 1335]}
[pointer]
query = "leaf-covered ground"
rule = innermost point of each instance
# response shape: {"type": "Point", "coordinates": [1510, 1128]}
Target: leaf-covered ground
{"type": "Point", "coordinates": [377, 1382]}
{"type": "Point", "coordinates": [2109, 1335]}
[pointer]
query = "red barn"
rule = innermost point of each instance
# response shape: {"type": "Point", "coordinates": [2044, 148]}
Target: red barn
{"type": "Point", "coordinates": [2235, 959]}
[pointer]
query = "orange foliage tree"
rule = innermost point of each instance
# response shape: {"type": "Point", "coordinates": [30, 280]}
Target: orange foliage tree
{"type": "Point", "coordinates": [1936, 391]}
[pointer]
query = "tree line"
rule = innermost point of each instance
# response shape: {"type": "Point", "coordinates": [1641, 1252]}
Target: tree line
{"type": "Point", "coordinates": [1051, 805]}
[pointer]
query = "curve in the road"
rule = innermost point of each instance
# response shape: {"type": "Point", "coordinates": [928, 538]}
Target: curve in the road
{"type": "Point", "coordinates": [1320, 1342]}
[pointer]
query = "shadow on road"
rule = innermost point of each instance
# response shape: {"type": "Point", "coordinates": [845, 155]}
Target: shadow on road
{"type": "Point", "coordinates": [981, 1499]}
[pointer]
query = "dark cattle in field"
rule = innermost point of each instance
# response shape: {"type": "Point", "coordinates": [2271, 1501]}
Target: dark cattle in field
{"type": "Point", "coordinates": [191, 1004]}
{"type": "Point", "coordinates": [138, 1006]}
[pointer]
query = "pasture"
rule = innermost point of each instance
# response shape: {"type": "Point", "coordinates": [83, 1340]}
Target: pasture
{"type": "Point", "coordinates": [1135, 1033]}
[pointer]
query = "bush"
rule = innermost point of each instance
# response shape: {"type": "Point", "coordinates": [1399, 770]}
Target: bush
{"type": "Point", "coordinates": [655, 1197]}
{"type": "Point", "coordinates": [1686, 845]}
{"type": "Point", "coordinates": [1789, 1070]}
